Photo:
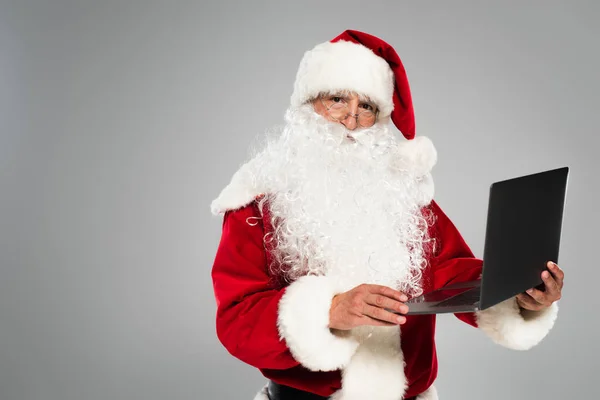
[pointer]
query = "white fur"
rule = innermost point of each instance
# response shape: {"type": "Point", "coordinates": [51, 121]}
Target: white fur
{"type": "Point", "coordinates": [243, 188]}
{"type": "Point", "coordinates": [418, 155]}
{"type": "Point", "coordinates": [344, 66]}
{"type": "Point", "coordinates": [506, 326]}
{"type": "Point", "coordinates": [303, 322]}
{"type": "Point", "coordinates": [376, 370]}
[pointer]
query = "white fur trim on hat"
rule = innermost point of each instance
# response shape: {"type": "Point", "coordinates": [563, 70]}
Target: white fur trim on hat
{"type": "Point", "coordinates": [506, 325]}
{"type": "Point", "coordinates": [343, 65]}
{"type": "Point", "coordinates": [303, 322]}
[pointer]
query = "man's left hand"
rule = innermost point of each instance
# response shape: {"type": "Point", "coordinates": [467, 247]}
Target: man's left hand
{"type": "Point", "coordinates": [535, 299]}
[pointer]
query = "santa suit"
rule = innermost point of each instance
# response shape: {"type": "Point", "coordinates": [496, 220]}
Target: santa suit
{"type": "Point", "coordinates": [282, 329]}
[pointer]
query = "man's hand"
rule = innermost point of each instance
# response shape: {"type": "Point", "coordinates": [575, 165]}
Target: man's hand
{"type": "Point", "coordinates": [366, 305]}
{"type": "Point", "coordinates": [535, 299]}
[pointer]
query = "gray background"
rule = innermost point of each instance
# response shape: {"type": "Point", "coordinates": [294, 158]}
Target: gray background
{"type": "Point", "coordinates": [121, 121]}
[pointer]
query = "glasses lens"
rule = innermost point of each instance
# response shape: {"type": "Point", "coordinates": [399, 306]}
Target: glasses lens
{"type": "Point", "coordinates": [337, 109]}
{"type": "Point", "coordinates": [366, 119]}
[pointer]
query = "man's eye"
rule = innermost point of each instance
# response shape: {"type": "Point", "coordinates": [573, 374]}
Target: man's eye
{"type": "Point", "coordinates": [336, 99]}
{"type": "Point", "coordinates": [367, 107]}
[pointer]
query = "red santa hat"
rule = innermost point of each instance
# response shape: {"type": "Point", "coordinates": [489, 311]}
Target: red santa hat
{"type": "Point", "coordinates": [361, 63]}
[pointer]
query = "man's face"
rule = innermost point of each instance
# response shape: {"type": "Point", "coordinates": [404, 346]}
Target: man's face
{"type": "Point", "coordinates": [357, 112]}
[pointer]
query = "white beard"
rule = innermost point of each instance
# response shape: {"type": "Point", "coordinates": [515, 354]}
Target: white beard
{"type": "Point", "coordinates": [343, 203]}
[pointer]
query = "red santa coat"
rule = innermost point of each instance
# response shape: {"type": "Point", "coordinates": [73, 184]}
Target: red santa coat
{"type": "Point", "coordinates": [282, 329]}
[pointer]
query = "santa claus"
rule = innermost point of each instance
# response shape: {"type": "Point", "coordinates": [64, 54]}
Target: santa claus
{"type": "Point", "coordinates": [333, 225]}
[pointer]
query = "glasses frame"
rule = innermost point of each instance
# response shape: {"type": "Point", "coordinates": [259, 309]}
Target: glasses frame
{"type": "Point", "coordinates": [376, 112]}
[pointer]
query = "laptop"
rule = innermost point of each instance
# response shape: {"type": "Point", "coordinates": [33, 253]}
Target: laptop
{"type": "Point", "coordinates": [523, 233]}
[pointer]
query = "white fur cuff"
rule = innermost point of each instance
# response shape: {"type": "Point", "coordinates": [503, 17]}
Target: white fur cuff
{"type": "Point", "coordinates": [303, 322]}
{"type": "Point", "coordinates": [505, 324]}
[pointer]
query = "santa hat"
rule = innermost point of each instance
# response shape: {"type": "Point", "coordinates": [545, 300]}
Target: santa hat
{"type": "Point", "coordinates": [361, 63]}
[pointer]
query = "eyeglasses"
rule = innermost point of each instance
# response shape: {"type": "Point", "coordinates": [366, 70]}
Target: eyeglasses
{"type": "Point", "coordinates": [338, 109]}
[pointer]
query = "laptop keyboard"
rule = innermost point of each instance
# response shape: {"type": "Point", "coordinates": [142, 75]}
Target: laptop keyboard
{"type": "Point", "coordinates": [464, 299]}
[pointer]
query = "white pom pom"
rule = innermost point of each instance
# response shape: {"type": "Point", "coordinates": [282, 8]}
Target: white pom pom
{"type": "Point", "coordinates": [417, 156]}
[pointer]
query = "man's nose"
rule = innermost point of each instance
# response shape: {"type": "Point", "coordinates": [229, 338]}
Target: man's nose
{"type": "Point", "coordinates": [350, 122]}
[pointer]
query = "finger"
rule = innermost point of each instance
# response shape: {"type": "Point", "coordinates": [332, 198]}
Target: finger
{"type": "Point", "coordinates": [552, 288]}
{"type": "Point", "coordinates": [365, 320]}
{"type": "Point", "coordinates": [558, 273]}
{"type": "Point", "coordinates": [538, 296]}
{"type": "Point", "coordinates": [387, 291]}
{"type": "Point", "coordinates": [527, 302]}
{"type": "Point", "coordinates": [382, 315]}
{"type": "Point", "coordinates": [382, 301]}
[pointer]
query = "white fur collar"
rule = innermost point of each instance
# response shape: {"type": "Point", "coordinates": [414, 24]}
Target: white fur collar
{"type": "Point", "coordinates": [418, 155]}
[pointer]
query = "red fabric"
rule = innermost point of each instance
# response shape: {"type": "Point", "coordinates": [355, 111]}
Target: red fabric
{"type": "Point", "coordinates": [403, 115]}
{"type": "Point", "coordinates": [247, 298]}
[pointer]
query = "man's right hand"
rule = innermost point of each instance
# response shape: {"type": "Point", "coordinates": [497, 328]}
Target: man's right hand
{"type": "Point", "coordinates": [366, 305]}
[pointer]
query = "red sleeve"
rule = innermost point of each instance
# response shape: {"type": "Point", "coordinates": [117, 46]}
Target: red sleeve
{"type": "Point", "coordinates": [452, 260]}
{"type": "Point", "coordinates": [247, 298]}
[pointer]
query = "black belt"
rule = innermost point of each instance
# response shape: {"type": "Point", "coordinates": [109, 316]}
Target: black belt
{"type": "Point", "coordinates": [277, 391]}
